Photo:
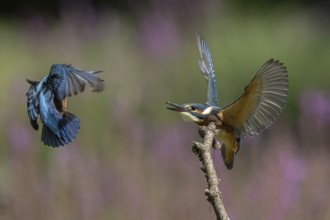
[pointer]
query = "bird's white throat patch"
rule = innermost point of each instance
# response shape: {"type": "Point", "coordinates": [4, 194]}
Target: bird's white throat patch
{"type": "Point", "coordinates": [207, 110]}
{"type": "Point", "coordinates": [186, 116]}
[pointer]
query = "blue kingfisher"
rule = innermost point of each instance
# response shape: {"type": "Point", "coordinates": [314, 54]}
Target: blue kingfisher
{"type": "Point", "coordinates": [48, 99]}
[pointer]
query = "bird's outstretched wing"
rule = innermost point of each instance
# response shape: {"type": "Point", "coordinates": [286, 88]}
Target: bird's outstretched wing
{"type": "Point", "coordinates": [33, 103]}
{"type": "Point", "coordinates": [262, 102]}
{"type": "Point", "coordinates": [206, 66]}
{"type": "Point", "coordinates": [67, 80]}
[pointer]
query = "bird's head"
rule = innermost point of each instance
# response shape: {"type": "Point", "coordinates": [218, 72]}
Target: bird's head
{"type": "Point", "coordinates": [193, 112]}
{"type": "Point", "coordinates": [56, 71]}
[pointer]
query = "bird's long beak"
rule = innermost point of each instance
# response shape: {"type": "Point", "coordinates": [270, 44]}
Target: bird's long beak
{"type": "Point", "coordinates": [186, 113]}
{"type": "Point", "coordinates": [175, 107]}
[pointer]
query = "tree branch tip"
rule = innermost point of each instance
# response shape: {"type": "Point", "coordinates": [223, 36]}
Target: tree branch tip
{"type": "Point", "coordinates": [198, 145]}
{"type": "Point", "coordinates": [216, 144]}
{"type": "Point", "coordinates": [211, 126]}
{"type": "Point", "coordinates": [212, 193]}
{"type": "Point", "coordinates": [209, 193]}
{"type": "Point", "coordinates": [195, 143]}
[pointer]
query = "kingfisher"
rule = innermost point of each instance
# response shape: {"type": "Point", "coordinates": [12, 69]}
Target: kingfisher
{"type": "Point", "coordinates": [48, 99]}
{"type": "Point", "coordinates": [263, 100]}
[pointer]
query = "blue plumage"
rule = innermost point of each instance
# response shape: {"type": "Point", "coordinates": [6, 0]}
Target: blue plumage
{"type": "Point", "coordinates": [48, 99]}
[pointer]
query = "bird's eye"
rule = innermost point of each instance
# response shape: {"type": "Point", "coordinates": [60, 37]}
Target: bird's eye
{"type": "Point", "coordinates": [193, 108]}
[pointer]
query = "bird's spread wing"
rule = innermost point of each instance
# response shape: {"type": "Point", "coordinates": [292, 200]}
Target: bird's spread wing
{"type": "Point", "coordinates": [67, 80]}
{"type": "Point", "coordinates": [33, 104]}
{"type": "Point", "coordinates": [262, 102]}
{"type": "Point", "coordinates": [206, 66]}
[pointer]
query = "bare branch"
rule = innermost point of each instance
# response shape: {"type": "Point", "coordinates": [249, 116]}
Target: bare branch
{"type": "Point", "coordinates": [203, 150]}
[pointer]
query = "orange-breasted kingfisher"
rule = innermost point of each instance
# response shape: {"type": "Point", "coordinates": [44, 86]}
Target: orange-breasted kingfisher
{"type": "Point", "coordinates": [263, 100]}
{"type": "Point", "coordinates": [48, 99]}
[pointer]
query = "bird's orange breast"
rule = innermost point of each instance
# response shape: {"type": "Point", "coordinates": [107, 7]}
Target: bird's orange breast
{"type": "Point", "coordinates": [227, 136]}
{"type": "Point", "coordinates": [61, 106]}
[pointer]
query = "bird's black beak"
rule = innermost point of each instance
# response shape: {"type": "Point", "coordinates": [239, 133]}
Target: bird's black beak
{"type": "Point", "coordinates": [181, 108]}
{"type": "Point", "coordinates": [175, 107]}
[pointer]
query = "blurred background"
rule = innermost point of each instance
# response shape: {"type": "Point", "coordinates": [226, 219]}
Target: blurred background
{"type": "Point", "coordinates": [132, 158]}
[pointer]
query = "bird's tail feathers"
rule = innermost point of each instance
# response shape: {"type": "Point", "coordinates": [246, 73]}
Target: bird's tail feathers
{"type": "Point", "coordinates": [69, 127]}
{"type": "Point", "coordinates": [48, 137]}
{"type": "Point", "coordinates": [227, 156]}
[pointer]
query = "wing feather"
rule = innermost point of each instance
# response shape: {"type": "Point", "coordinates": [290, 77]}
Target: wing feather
{"type": "Point", "coordinates": [33, 103]}
{"type": "Point", "coordinates": [262, 102]}
{"type": "Point", "coordinates": [68, 80]}
{"type": "Point", "coordinates": [206, 66]}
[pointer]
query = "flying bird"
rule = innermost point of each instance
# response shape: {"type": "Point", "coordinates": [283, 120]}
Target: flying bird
{"type": "Point", "coordinates": [263, 100]}
{"type": "Point", "coordinates": [48, 99]}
